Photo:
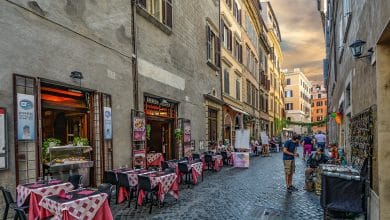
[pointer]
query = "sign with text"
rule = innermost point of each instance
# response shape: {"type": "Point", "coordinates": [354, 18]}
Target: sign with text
{"type": "Point", "coordinates": [107, 123]}
{"type": "Point", "coordinates": [241, 159]}
{"type": "Point", "coordinates": [242, 139]}
{"type": "Point", "coordinates": [26, 117]}
{"type": "Point", "coordinates": [264, 138]}
{"type": "Point", "coordinates": [139, 131]}
{"type": "Point", "coordinates": [139, 157]}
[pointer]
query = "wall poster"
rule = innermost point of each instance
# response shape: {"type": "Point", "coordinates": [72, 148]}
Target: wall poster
{"type": "Point", "coordinates": [139, 157]}
{"type": "Point", "coordinates": [139, 131]}
{"type": "Point", "coordinates": [26, 117]}
{"type": "Point", "coordinates": [107, 123]}
{"type": "Point", "coordinates": [3, 140]}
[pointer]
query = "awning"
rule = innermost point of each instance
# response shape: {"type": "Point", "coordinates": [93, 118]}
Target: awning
{"type": "Point", "coordinates": [238, 110]}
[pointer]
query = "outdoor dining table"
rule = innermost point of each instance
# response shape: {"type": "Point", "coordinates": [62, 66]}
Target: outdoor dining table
{"type": "Point", "coordinates": [34, 192]}
{"type": "Point", "coordinates": [154, 159]}
{"type": "Point", "coordinates": [81, 204]}
{"type": "Point", "coordinates": [197, 169]}
{"type": "Point", "coordinates": [166, 183]}
{"type": "Point", "coordinates": [132, 176]}
{"type": "Point", "coordinates": [217, 161]}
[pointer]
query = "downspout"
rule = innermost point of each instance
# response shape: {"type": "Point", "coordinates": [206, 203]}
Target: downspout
{"type": "Point", "coordinates": [220, 71]}
{"type": "Point", "coordinates": [134, 55]}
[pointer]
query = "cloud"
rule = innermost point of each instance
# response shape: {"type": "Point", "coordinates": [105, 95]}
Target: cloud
{"type": "Point", "coordinates": [302, 35]}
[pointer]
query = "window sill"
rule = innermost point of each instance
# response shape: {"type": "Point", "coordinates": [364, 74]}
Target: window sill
{"type": "Point", "coordinates": [141, 11]}
{"type": "Point", "coordinates": [212, 66]}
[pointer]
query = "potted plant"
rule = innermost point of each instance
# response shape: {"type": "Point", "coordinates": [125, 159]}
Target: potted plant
{"type": "Point", "coordinates": [79, 141]}
{"type": "Point", "coordinates": [148, 131]}
{"type": "Point", "coordinates": [178, 134]}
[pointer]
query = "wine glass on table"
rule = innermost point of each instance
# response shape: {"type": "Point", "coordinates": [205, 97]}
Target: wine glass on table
{"type": "Point", "coordinates": [81, 186]}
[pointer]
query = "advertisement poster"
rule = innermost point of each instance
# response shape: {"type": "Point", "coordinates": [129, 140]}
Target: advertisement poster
{"type": "Point", "coordinates": [26, 117]}
{"type": "Point", "coordinates": [107, 123]}
{"type": "Point", "coordinates": [264, 138]}
{"type": "Point", "coordinates": [139, 131]}
{"type": "Point", "coordinates": [241, 159]}
{"type": "Point", "coordinates": [2, 131]}
{"type": "Point", "coordinates": [139, 158]}
{"type": "Point", "coordinates": [187, 132]}
{"type": "Point", "coordinates": [242, 139]}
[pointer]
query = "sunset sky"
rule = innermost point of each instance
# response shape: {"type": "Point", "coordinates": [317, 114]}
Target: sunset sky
{"type": "Point", "coordinates": [302, 35]}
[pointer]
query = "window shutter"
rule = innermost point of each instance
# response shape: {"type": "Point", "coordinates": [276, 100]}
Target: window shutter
{"type": "Point", "coordinates": [240, 53]}
{"type": "Point", "coordinates": [239, 16]}
{"type": "Point", "coordinates": [229, 40]}
{"type": "Point", "coordinates": [217, 50]}
{"type": "Point", "coordinates": [222, 30]}
{"type": "Point", "coordinates": [167, 13]}
{"type": "Point", "coordinates": [208, 37]}
{"type": "Point", "coordinates": [235, 9]}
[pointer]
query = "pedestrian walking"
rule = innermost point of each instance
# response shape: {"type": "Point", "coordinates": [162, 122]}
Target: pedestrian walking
{"type": "Point", "coordinates": [289, 154]}
{"type": "Point", "coordinates": [307, 144]}
{"type": "Point", "coordinates": [320, 140]}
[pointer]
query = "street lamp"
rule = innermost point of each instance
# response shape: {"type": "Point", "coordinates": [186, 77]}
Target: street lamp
{"type": "Point", "coordinates": [357, 49]}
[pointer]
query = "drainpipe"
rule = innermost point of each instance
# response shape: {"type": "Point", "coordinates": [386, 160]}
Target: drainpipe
{"type": "Point", "coordinates": [221, 72]}
{"type": "Point", "coordinates": [134, 55]}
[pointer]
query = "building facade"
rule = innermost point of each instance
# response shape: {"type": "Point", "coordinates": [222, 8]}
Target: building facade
{"type": "Point", "coordinates": [82, 68]}
{"type": "Point", "coordinates": [318, 105]}
{"type": "Point", "coordinates": [357, 84]}
{"type": "Point", "coordinates": [297, 100]}
{"type": "Point", "coordinates": [275, 75]}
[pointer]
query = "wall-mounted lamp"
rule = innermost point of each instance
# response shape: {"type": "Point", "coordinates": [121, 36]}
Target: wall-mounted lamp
{"type": "Point", "coordinates": [76, 76]}
{"type": "Point", "coordinates": [357, 49]}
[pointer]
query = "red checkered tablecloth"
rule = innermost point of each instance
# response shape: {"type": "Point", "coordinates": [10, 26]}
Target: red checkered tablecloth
{"type": "Point", "coordinates": [165, 185]}
{"type": "Point", "coordinates": [151, 157]}
{"type": "Point", "coordinates": [84, 208]}
{"type": "Point", "coordinates": [197, 167]}
{"type": "Point", "coordinates": [23, 191]}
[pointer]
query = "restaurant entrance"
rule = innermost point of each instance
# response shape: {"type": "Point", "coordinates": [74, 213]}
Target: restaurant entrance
{"type": "Point", "coordinates": [161, 116]}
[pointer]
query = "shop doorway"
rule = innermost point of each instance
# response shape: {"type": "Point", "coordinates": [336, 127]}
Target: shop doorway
{"type": "Point", "coordinates": [161, 116]}
{"type": "Point", "coordinates": [161, 137]}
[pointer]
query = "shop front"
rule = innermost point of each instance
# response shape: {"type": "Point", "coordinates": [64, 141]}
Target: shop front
{"type": "Point", "coordinates": [60, 130]}
{"type": "Point", "coordinates": [161, 122]}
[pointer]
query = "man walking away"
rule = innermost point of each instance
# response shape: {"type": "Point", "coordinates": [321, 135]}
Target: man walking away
{"type": "Point", "coordinates": [307, 146]}
{"type": "Point", "coordinates": [320, 140]}
{"type": "Point", "coordinates": [289, 154]}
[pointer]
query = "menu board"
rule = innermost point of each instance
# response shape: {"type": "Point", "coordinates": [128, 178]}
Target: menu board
{"type": "Point", "coordinates": [241, 159]}
{"type": "Point", "coordinates": [139, 131]}
{"type": "Point", "coordinates": [107, 123]}
{"type": "Point", "coordinates": [264, 138]}
{"type": "Point", "coordinates": [242, 138]}
{"type": "Point", "coordinates": [139, 157]}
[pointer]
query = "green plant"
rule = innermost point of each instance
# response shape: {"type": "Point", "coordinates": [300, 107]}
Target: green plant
{"type": "Point", "coordinates": [45, 147]}
{"type": "Point", "coordinates": [80, 141]}
{"type": "Point", "coordinates": [148, 131]}
{"type": "Point", "coordinates": [178, 134]}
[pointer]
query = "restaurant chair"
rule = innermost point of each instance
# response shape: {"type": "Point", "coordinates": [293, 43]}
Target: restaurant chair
{"type": "Point", "coordinates": [196, 157]}
{"type": "Point", "coordinates": [123, 181]}
{"type": "Point", "coordinates": [225, 158]}
{"type": "Point", "coordinates": [145, 185]}
{"type": "Point", "coordinates": [208, 158]}
{"type": "Point", "coordinates": [9, 202]}
{"type": "Point", "coordinates": [164, 165]}
{"type": "Point", "coordinates": [107, 189]}
{"type": "Point", "coordinates": [183, 168]}
{"type": "Point", "coordinates": [110, 177]}
{"type": "Point", "coordinates": [76, 180]}
{"type": "Point", "coordinates": [20, 214]}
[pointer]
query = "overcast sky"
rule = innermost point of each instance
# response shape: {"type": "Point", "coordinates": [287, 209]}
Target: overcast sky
{"type": "Point", "coordinates": [302, 35]}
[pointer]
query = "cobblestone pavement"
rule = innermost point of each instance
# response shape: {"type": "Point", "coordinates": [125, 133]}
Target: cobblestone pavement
{"type": "Point", "coordinates": [255, 193]}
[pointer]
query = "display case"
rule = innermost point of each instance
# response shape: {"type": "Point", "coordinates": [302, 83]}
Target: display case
{"type": "Point", "coordinates": [68, 160]}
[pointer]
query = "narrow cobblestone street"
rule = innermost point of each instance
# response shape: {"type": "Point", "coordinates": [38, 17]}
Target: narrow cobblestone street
{"type": "Point", "coordinates": [254, 193]}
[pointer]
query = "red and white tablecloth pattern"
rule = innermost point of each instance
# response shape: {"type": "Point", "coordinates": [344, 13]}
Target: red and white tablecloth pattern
{"type": "Point", "coordinates": [197, 169]}
{"type": "Point", "coordinates": [165, 184]}
{"type": "Point", "coordinates": [217, 160]}
{"type": "Point", "coordinates": [84, 208]}
{"type": "Point", "coordinates": [154, 159]}
{"type": "Point", "coordinates": [132, 176]}
{"type": "Point", "coordinates": [23, 191]}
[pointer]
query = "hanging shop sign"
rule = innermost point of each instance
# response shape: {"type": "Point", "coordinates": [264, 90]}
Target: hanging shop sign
{"type": "Point", "coordinates": [26, 117]}
{"type": "Point", "coordinates": [3, 140]}
{"type": "Point", "coordinates": [107, 123]}
{"type": "Point", "coordinates": [139, 131]}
